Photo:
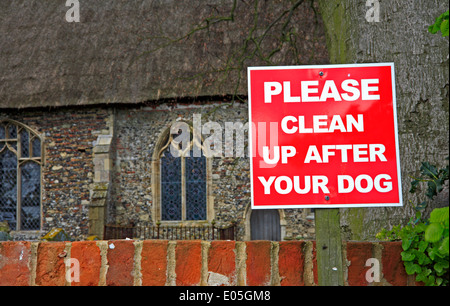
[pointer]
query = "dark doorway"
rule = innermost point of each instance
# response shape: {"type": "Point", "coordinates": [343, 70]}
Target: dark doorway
{"type": "Point", "coordinates": [265, 225]}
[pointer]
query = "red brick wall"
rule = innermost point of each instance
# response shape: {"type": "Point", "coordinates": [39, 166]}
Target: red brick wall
{"type": "Point", "coordinates": [187, 263]}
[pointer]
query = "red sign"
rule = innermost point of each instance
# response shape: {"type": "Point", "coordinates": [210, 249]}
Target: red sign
{"type": "Point", "coordinates": [324, 136]}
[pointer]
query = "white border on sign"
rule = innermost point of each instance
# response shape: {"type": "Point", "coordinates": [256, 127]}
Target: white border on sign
{"type": "Point", "coordinates": [334, 205]}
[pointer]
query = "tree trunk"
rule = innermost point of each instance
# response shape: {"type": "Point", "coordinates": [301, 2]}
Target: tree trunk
{"type": "Point", "coordinates": [400, 35]}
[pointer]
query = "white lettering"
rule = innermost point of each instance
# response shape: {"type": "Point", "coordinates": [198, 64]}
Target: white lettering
{"type": "Point", "coordinates": [312, 155]}
{"type": "Point", "coordinates": [373, 273]}
{"type": "Point", "coordinates": [73, 13]}
{"type": "Point", "coordinates": [288, 182]}
{"type": "Point", "coordinates": [276, 155]}
{"type": "Point", "coordinates": [358, 151]}
{"type": "Point", "coordinates": [301, 125]}
{"type": "Point", "coordinates": [284, 184]}
{"type": "Point", "coordinates": [346, 184]}
{"type": "Point", "coordinates": [267, 183]}
{"type": "Point", "coordinates": [362, 153]}
{"type": "Point", "coordinates": [312, 91]}
{"type": "Point", "coordinates": [354, 91]}
{"type": "Point", "coordinates": [287, 93]}
{"type": "Point", "coordinates": [306, 91]}
{"type": "Point", "coordinates": [307, 187]}
{"type": "Point", "coordinates": [369, 184]}
{"type": "Point", "coordinates": [387, 186]}
{"type": "Point", "coordinates": [337, 124]}
{"type": "Point", "coordinates": [271, 89]}
{"type": "Point", "coordinates": [341, 184]}
{"type": "Point", "coordinates": [366, 88]}
{"type": "Point", "coordinates": [377, 150]}
{"type": "Point", "coordinates": [284, 126]}
{"type": "Point", "coordinates": [326, 93]}
{"type": "Point", "coordinates": [320, 124]}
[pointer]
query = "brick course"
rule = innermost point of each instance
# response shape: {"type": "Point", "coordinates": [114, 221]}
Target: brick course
{"type": "Point", "coordinates": [190, 263]}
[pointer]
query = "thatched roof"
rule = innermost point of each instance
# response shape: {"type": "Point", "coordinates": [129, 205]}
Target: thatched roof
{"type": "Point", "coordinates": [130, 51]}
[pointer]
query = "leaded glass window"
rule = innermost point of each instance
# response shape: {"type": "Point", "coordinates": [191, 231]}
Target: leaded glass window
{"type": "Point", "coordinates": [183, 184]}
{"type": "Point", "coordinates": [196, 187]}
{"type": "Point", "coordinates": [171, 191]}
{"type": "Point", "coordinates": [20, 176]}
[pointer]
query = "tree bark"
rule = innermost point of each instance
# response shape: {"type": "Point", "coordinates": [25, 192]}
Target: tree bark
{"type": "Point", "coordinates": [421, 64]}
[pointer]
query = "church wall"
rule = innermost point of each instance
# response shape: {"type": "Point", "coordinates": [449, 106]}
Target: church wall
{"type": "Point", "coordinates": [68, 170]}
{"type": "Point", "coordinates": [138, 130]}
{"type": "Point", "coordinates": [68, 175]}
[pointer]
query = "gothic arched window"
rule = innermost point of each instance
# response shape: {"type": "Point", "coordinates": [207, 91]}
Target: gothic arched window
{"type": "Point", "coordinates": [21, 153]}
{"type": "Point", "coordinates": [181, 181]}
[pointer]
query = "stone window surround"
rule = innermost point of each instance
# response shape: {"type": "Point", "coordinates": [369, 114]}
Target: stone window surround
{"type": "Point", "coordinates": [39, 160]}
{"type": "Point", "coordinates": [163, 141]}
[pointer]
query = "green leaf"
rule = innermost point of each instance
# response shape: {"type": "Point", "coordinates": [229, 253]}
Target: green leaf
{"type": "Point", "coordinates": [439, 267]}
{"type": "Point", "coordinates": [439, 215]}
{"type": "Point", "coordinates": [430, 281]}
{"type": "Point", "coordinates": [408, 256]}
{"type": "Point", "coordinates": [420, 228]}
{"type": "Point", "coordinates": [444, 27]}
{"type": "Point", "coordinates": [422, 258]}
{"type": "Point", "coordinates": [426, 168]}
{"type": "Point", "coordinates": [406, 244]}
{"type": "Point", "coordinates": [441, 24]}
{"type": "Point", "coordinates": [423, 246]}
{"type": "Point", "coordinates": [415, 182]}
{"type": "Point", "coordinates": [434, 232]}
{"type": "Point", "coordinates": [412, 268]}
{"type": "Point", "coordinates": [443, 248]}
{"type": "Point", "coordinates": [431, 191]}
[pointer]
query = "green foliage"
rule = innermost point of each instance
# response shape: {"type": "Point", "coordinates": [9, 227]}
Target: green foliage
{"type": "Point", "coordinates": [425, 247]}
{"type": "Point", "coordinates": [435, 179]}
{"type": "Point", "coordinates": [425, 243]}
{"type": "Point", "coordinates": [441, 24]}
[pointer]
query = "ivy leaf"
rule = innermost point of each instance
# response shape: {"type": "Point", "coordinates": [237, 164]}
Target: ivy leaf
{"type": "Point", "coordinates": [441, 24]}
{"type": "Point", "coordinates": [429, 170]}
{"type": "Point", "coordinates": [414, 185]}
{"type": "Point", "coordinates": [434, 232]}
{"type": "Point", "coordinates": [444, 27]}
{"type": "Point", "coordinates": [431, 191]}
